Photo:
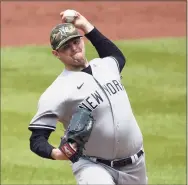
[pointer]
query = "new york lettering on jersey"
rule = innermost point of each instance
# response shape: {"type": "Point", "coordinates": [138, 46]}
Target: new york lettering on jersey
{"type": "Point", "coordinates": [94, 99]}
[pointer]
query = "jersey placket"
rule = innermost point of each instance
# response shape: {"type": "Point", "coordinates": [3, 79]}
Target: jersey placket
{"type": "Point", "coordinates": [116, 141]}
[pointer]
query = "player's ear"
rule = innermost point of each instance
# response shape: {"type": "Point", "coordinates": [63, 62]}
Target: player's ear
{"type": "Point", "coordinates": [55, 53]}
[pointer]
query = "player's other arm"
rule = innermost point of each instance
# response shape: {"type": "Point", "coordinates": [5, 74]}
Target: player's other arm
{"type": "Point", "coordinates": [41, 132]}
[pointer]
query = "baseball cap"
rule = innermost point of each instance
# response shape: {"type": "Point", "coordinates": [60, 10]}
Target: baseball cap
{"type": "Point", "coordinates": [62, 33]}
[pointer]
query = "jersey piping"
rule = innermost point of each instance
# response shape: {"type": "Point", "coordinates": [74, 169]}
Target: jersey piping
{"type": "Point", "coordinates": [110, 109]}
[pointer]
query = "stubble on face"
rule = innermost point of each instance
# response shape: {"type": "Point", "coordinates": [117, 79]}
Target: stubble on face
{"type": "Point", "coordinates": [75, 59]}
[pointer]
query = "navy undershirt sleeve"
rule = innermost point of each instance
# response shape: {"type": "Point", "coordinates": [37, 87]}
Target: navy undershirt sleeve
{"type": "Point", "coordinates": [39, 143]}
{"type": "Point", "coordinates": [105, 47]}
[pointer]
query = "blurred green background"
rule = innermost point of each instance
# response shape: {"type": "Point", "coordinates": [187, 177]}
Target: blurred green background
{"type": "Point", "coordinates": [155, 80]}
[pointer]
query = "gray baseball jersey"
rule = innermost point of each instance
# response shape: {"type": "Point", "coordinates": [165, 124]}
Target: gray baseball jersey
{"type": "Point", "coordinates": [116, 133]}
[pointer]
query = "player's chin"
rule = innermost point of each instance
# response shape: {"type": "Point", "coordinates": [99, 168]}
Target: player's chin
{"type": "Point", "coordinates": [78, 59]}
{"type": "Point", "coordinates": [80, 62]}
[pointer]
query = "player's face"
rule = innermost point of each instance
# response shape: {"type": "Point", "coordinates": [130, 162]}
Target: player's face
{"type": "Point", "coordinates": [72, 53]}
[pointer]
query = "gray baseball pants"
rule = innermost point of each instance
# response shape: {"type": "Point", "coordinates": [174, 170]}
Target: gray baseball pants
{"type": "Point", "coordinates": [92, 173]}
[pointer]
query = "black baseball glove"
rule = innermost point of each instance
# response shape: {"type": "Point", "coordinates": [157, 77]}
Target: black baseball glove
{"type": "Point", "coordinates": [78, 132]}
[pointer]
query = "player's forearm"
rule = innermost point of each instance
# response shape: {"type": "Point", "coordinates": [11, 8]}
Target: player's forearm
{"type": "Point", "coordinates": [39, 143]}
{"type": "Point", "coordinates": [40, 146]}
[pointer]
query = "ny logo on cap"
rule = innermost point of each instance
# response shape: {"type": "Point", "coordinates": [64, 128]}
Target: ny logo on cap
{"type": "Point", "coordinates": [66, 30]}
{"type": "Point", "coordinates": [57, 36]}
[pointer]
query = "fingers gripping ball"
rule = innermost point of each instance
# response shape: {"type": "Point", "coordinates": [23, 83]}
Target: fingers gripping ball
{"type": "Point", "coordinates": [69, 15]}
{"type": "Point", "coordinates": [78, 132]}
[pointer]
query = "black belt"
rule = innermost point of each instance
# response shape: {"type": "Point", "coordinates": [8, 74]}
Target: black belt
{"type": "Point", "coordinates": [121, 162]}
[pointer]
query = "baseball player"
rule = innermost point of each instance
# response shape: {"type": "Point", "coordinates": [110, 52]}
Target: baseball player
{"type": "Point", "coordinates": [102, 138]}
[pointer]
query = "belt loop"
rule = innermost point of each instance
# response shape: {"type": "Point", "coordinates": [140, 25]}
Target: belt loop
{"type": "Point", "coordinates": [112, 164]}
{"type": "Point", "coordinates": [136, 157]}
{"type": "Point", "coordinates": [94, 159]}
{"type": "Point", "coordinates": [133, 159]}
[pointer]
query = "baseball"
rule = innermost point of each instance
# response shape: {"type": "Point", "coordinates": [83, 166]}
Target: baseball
{"type": "Point", "coordinates": [69, 15]}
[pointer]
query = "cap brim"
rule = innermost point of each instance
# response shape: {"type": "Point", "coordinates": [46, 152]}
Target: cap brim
{"type": "Point", "coordinates": [67, 39]}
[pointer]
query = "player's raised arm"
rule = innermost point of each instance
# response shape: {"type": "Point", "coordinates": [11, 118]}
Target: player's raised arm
{"type": "Point", "coordinates": [103, 45]}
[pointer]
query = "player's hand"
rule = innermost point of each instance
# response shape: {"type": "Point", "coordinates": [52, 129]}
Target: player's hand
{"type": "Point", "coordinates": [79, 22]}
{"type": "Point", "coordinates": [58, 155]}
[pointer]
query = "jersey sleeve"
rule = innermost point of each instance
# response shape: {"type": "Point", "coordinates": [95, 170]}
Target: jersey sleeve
{"type": "Point", "coordinates": [113, 64]}
{"type": "Point", "coordinates": [50, 107]}
{"type": "Point", "coordinates": [44, 121]}
{"type": "Point", "coordinates": [109, 63]}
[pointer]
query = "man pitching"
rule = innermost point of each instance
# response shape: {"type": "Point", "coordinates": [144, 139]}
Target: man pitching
{"type": "Point", "coordinates": [102, 138]}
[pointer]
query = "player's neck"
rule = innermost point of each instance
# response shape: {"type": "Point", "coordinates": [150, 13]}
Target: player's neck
{"type": "Point", "coordinates": [76, 68]}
